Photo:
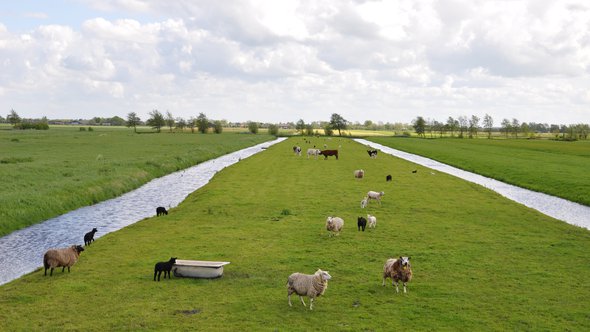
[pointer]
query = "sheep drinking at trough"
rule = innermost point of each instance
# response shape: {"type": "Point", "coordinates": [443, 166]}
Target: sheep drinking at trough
{"type": "Point", "coordinates": [372, 221]}
{"type": "Point", "coordinates": [359, 174]}
{"type": "Point", "coordinates": [398, 269]}
{"type": "Point", "coordinates": [361, 223]}
{"type": "Point", "coordinates": [310, 285]}
{"type": "Point", "coordinates": [164, 266]}
{"type": "Point", "coordinates": [63, 257]}
{"type": "Point", "coordinates": [89, 237]}
{"type": "Point", "coordinates": [375, 195]}
{"type": "Point", "coordinates": [334, 224]}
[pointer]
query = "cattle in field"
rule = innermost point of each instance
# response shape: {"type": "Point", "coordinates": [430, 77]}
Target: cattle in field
{"type": "Point", "coordinates": [327, 153]}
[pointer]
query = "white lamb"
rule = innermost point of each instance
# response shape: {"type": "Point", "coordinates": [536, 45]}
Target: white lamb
{"type": "Point", "coordinates": [310, 285]}
{"type": "Point", "coordinates": [375, 195]}
{"type": "Point", "coordinates": [334, 224]}
{"type": "Point", "coordinates": [372, 221]}
{"type": "Point", "coordinates": [364, 202]}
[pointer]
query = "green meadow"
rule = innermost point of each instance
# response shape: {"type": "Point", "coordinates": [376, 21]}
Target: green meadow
{"type": "Point", "coordinates": [553, 167]}
{"type": "Point", "coordinates": [47, 173]}
{"type": "Point", "coordinates": [480, 262]}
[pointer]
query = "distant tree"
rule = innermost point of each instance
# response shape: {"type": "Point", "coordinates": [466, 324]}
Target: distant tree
{"type": "Point", "coordinates": [328, 131]}
{"type": "Point", "coordinates": [419, 125]}
{"type": "Point", "coordinates": [180, 124]}
{"type": "Point", "coordinates": [525, 129]}
{"type": "Point", "coordinates": [253, 127]}
{"type": "Point", "coordinates": [368, 124]}
{"type": "Point", "coordinates": [462, 125]}
{"type": "Point", "coordinates": [273, 129]}
{"type": "Point", "coordinates": [473, 126]}
{"type": "Point", "coordinates": [156, 120]}
{"type": "Point", "coordinates": [515, 125]}
{"type": "Point", "coordinates": [217, 127]}
{"type": "Point", "coordinates": [13, 118]}
{"type": "Point", "coordinates": [309, 130]}
{"type": "Point", "coordinates": [338, 122]}
{"type": "Point", "coordinates": [202, 123]}
{"type": "Point", "coordinates": [488, 124]}
{"type": "Point", "coordinates": [300, 126]}
{"type": "Point", "coordinates": [452, 125]}
{"type": "Point", "coordinates": [117, 121]}
{"type": "Point", "coordinates": [133, 121]}
{"type": "Point", "coordinates": [169, 120]}
{"type": "Point", "coordinates": [191, 123]}
{"type": "Point", "coordinates": [506, 127]}
{"type": "Point", "coordinates": [97, 120]}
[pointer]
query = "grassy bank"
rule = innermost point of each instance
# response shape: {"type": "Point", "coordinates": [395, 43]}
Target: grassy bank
{"type": "Point", "coordinates": [553, 167]}
{"type": "Point", "coordinates": [480, 262]}
{"type": "Point", "coordinates": [48, 173]}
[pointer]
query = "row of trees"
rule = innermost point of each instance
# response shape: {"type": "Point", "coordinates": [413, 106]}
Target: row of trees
{"type": "Point", "coordinates": [157, 120]}
{"type": "Point", "coordinates": [470, 127]}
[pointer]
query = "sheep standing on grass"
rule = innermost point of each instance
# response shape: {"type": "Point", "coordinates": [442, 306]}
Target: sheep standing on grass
{"type": "Point", "coordinates": [375, 195]}
{"type": "Point", "coordinates": [364, 202]}
{"type": "Point", "coordinates": [398, 269]}
{"type": "Point", "coordinates": [310, 285]}
{"type": "Point", "coordinates": [359, 174]}
{"type": "Point", "coordinates": [89, 237]}
{"type": "Point", "coordinates": [372, 220]}
{"type": "Point", "coordinates": [63, 257]}
{"type": "Point", "coordinates": [334, 224]}
{"type": "Point", "coordinates": [164, 266]}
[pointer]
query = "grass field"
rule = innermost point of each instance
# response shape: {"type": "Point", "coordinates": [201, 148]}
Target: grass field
{"type": "Point", "coordinates": [480, 262]}
{"type": "Point", "coordinates": [48, 173]}
{"type": "Point", "coordinates": [553, 167]}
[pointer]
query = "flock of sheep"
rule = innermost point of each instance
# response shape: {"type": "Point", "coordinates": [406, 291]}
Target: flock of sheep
{"type": "Point", "coordinates": [314, 285]}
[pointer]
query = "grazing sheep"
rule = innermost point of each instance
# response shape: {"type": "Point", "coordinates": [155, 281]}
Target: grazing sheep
{"type": "Point", "coordinates": [398, 270]}
{"type": "Point", "coordinates": [415, 171]}
{"type": "Point", "coordinates": [361, 223]}
{"type": "Point", "coordinates": [164, 266]}
{"type": "Point", "coordinates": [63, 257]}
{"type": "Point", "coordinates": [388, 178]}
{"type": "Point", "coordinates": [297, 150]}
{"type": "Point", "coordinates": [310, 285]}
{"type": "Point", "coordinates": [334, 224]}
{"type": "Point", "coordinates": [160, 210]}
{"type": "Point", "coordinates": [89, 237]}
{"type": "Point", "coordinates": [313, 152]}
{"type": "Point", "coordinates": [372, 153]}
{"type": "Point", "coordinates": [372, 221]}
{"type": "Point", "coordinates": [359, 174]}
{"type": "Point", "coordinates": [364, 202]}
{"type": "Point", "coordinates": [375, 195]}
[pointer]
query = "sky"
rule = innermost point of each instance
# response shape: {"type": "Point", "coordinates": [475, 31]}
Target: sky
{"type": "Point", "coordinates": [285, 60]}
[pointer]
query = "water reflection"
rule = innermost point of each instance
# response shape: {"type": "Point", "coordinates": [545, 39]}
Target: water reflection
{"type": "Point", "coordinates": [558, 208]}
{"type": "Point", "coordinates": [22, 251]}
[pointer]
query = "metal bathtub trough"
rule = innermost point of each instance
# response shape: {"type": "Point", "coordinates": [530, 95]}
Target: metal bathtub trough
{"type": "Point", "coordinates": [198, 269]}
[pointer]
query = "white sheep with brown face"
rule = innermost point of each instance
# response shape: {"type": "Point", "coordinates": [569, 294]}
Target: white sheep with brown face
{"type": "Point", "coordinates": [334, 224]}
{"type": "Point", "coordinates": [310, 285]}
{"type": "Point", "coordinates": [398, 269]}
{"type": "Point", "coordinates": [64, 257]}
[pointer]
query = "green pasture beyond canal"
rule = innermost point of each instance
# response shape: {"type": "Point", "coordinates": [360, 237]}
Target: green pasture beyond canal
{"type": "Point", "coordinates": [49, 172]}
{"type": "Point", "coordinates": [480, 262]}
{"type": "Point", "coordinates": [556, 168]}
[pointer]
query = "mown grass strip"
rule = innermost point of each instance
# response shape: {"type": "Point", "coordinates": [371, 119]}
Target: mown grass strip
{"type": "Point", "coordinates": [480, 262]}
{"type": "Point", "coordinates": [553, 167]}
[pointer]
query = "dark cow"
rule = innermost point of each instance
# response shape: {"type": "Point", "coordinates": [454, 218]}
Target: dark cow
{"type": "Point", "coordinates": [327, 153]}
{"type": "Point", "coordinates": [372, 153]}
{"type": "Point", "coordinates": [160, 210]}
{"type": "Point", "coordinates": [388, 178]}
{"type": "Point", "coordinates": [361, 223]}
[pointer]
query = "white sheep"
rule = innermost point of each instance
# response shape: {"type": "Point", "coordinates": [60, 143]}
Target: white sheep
{"type": "Point", "coordinates": [334, 224]}
{"type": "Point", "coordinates": [64, 257]}
{"type": "Point", "coordinates": [398, 269]}
{"type": "Point", "coordinates": [364, 202]}
{"type": "Point", "coordinates": [313, 152]}
{"type": "Point", "coordinates": [359, 174]}
{"type": "Point", "coordinates": [375, 195]}
{"type": "Point", "coordinates": [372, 221]}
{"type": "Point", "coordinates": [310, 285]}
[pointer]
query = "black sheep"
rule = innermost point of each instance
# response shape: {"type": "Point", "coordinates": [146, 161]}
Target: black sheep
{"type": "Point", "coordinates": [388, 178]}
{"type": "Point", "coordinates": [160, 210]}
{"type": "Point", "coordinates": [361, 223]}
{"type": "Point", "coordinates": [164, 266]}
{"type": "Point", "coordinates": [89, 237]}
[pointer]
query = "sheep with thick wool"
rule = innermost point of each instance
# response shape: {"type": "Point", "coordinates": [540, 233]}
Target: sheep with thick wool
{"type": "Point", "coordinates": [376, 195]}
{"type": "Point", "coordinates": [310, 285]}
{"type": "Point", "coordinates": [63, 257]}
{"type": "Point", "coordinates": [398, 269]}
{"type": "Point", "coordinates": [372, 221]}
{"type": "Point", "coordinates": [334, 224]}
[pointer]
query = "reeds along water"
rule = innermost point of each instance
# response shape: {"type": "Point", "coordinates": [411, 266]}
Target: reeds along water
{"type": "Point", "coordinates": [23, 250]}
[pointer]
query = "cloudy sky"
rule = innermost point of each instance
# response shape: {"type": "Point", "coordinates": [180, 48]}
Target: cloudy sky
{"type": "Point", "coordinates": [285, 60]}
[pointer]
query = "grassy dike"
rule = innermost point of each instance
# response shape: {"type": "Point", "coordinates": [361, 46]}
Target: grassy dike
{"type": "Point", "coordinates": [553, 167]}
{"type": "Point", "coordinates": [480, 262]}
{"type": "Point", "coordinates": [47, 173]}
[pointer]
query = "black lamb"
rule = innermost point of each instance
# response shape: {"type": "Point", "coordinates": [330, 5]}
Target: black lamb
{"type": "Point", "coordinates": [361, 223]}
{"type": "Point", "coordinates": [164, 266]}
{"type": "Point", "coordinates": [89, 237]}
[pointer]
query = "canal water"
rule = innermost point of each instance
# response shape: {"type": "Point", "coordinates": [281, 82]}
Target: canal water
{"type": "Point", "coordinates": [558, 208]}
{"type": "Point", "coordinates": [22, 251]}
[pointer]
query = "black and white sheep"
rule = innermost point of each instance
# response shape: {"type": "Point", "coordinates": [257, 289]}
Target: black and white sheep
{"type": "Point", "coordinates": [62, 257]}
{"type": "Point", "coordinates": [89, 237]}
{"type": "Point", "coordinates": [334, 224]}
{"type": "Point", "coordinates": [164, 266]}
{"type": "Point", "coordinates": [398, 269]}
{"type": "Point", "coordinates": [375, 195]}
{"type": "Point", "coordinates": [297, 150]}
{"type": "Point", "coordinates": [310, 285]}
